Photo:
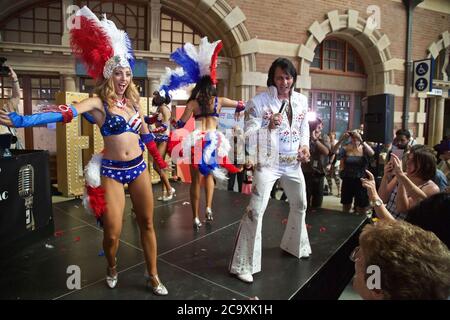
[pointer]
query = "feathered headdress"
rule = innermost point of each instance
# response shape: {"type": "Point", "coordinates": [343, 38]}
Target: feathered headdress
{"type": "Point", "coordinates": [195, 63]}
{"type": "Point", "coordinates": [99, 44]}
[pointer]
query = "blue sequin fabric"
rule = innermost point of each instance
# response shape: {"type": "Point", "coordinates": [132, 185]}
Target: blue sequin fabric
{"type": "Point", "coordinates": [116, 124]}
{"type": "Point", "coordinates": [123, 171]}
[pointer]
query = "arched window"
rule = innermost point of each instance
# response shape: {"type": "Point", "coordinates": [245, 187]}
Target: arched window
{"type": "Point", "coordinates": [336, 55]}
{"type": "Point", "coordinates": [129, 17]}
{"type": "Point", "coordinates": [38, 24]}
{"type": "Point", "coordinates": [175, 33]}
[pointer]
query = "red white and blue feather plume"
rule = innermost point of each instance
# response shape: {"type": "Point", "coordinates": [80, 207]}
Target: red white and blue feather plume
{"type": "Point", "coordinates": [99, 44]}
{"type": "Point", "coordinates": [196, 62]}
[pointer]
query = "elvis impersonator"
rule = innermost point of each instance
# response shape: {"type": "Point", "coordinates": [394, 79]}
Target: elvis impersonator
{"type": "Point", "coordinates": [275, 122]}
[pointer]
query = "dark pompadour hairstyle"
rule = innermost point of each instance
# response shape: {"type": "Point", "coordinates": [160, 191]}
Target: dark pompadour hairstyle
{"type": "Point", "coordinates": [285, 65]}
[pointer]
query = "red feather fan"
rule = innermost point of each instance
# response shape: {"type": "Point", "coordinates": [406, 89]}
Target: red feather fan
{"type": "Point", "coordinates": [172, 143]}
{"type": "Point", "coordinates": [213, 65]}
{"type": "Point", "coordinates": [97, 200]}
{"type": "Point", "coordinates": [91, 45]}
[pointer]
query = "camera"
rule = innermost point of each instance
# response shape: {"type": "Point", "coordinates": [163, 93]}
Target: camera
{"type": "Point", "coordinates": [4, 71]}
{"type": "Point", "coordinates": [5, 144]}
{"type": "Point", "coordinates": [5, 140]}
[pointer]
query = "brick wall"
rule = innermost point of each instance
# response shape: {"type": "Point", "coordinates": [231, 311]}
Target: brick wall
{"type": "Point", "coordinates": [288, 21]}
{"type": "Point", "coordinates": [264, 61]}
{"type": "Point", "coordinates": [427, 27]}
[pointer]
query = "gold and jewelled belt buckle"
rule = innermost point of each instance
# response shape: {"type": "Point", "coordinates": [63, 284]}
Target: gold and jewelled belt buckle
{"type": "Point", "coordinates": [287, 158]}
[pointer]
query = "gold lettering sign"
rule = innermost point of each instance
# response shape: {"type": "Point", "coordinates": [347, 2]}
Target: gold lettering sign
{"type": "Point", "coordinates": [69, 145]}
{"type": "Point", "coordinates": [96, 145]}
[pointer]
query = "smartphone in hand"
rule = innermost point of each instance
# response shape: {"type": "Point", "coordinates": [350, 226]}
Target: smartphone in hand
{"type": "Point", "coordinates": [398, 152]}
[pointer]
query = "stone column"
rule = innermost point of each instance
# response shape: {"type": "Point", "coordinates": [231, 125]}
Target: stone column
{"type": "Point", "coordinates": [67, 5]}
{"type": "Point", "coordinates": [432, 121]}
{"type": "Point", "coordinates": [439, 120]}
{"type": "Point", "coordinates": [155, 25]}
{"type": "Point", "coordinates": [154, 86]}
{"type": "Point", "coordinates": [225, 87]}
{"type": "Point", "coordinates": [445, 65]}
{"type": "Point", "coordinates": [70, 83]}
{"type": "Point", "coordinates": [421, 119]}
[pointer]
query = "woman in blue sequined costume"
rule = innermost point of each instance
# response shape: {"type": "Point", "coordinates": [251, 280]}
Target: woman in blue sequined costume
{"type": "Point", "coordinates": [116, 111]}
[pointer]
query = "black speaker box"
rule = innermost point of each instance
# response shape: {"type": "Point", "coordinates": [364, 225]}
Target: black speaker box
{"type": "Point", "coordinates": [379, 118]}
{"type": "Point", "coordinates": [15, 233]}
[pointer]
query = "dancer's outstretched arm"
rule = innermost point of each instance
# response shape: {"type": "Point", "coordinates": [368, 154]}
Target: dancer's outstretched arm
{"type": "Point", "coordinates": [229, 103]}
{"type": "Point", "coordinates": [185, 116]}
{"type": "Point", "coordinates": [52, 113]}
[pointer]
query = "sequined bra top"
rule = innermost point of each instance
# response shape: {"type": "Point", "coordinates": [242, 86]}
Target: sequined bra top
{"type": "Point", "coordinates": [210, 114]}
{"type": "Point", "coordinates": [116, 124]}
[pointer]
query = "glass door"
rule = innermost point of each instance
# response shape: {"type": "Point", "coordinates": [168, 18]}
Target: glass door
{"type": "Point", "coordinates": [323, 106]}
{"type": "Point", "coordinates": [343, 103]}
{"type": "Point", "coordinates": [336, 109]}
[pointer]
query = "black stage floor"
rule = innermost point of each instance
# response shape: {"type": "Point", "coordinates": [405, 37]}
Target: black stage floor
{"type": "Point", "coordinates": [192, 264]}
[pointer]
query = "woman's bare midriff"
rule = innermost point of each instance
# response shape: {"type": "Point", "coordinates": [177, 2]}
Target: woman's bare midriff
{"type": "Point", "coordinates": [122, 147]}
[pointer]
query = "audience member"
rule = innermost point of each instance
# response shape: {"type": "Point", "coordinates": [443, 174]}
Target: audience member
{"type": "Point", "coordinates": [412, 264]}
{"type": "Point", "coordinates": [403, 190]}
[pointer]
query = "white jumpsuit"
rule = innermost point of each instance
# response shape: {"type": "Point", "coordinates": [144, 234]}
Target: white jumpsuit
{"type": "Point", "coordinates": [276, 158]}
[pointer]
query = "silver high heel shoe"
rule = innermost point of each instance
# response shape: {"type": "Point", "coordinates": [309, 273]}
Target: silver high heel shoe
{"type": "Point", "coordinates": [160, 289]}
{"type": "Point", "coordinates": [209, 214]}
{"type": "Point", "coordinates": [197, 223]}
{"type": "Point", "coordinates": [111, 281]}
{"type": "Point", "coordinates": [160, 198]}
{"type": "Point", "coordinates": [169, 196]}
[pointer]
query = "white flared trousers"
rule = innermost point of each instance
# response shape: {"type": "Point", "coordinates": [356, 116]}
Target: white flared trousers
{"type": "Point", "coordinates": [247, 251]}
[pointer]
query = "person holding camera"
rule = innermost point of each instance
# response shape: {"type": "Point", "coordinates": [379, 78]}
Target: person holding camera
{"type": "Point", "coordinates": [403, 189]}
{"type": "Point", "coordinates": [354, 161]}
{"type": "Point", "coordinates": [332, 168]}
{"type": "Point", "coordinates": [401, 146]}
{"type": "Point", "coordinates": [314, 170]}
{"type": "Point", "coordinates": [12, 105]}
